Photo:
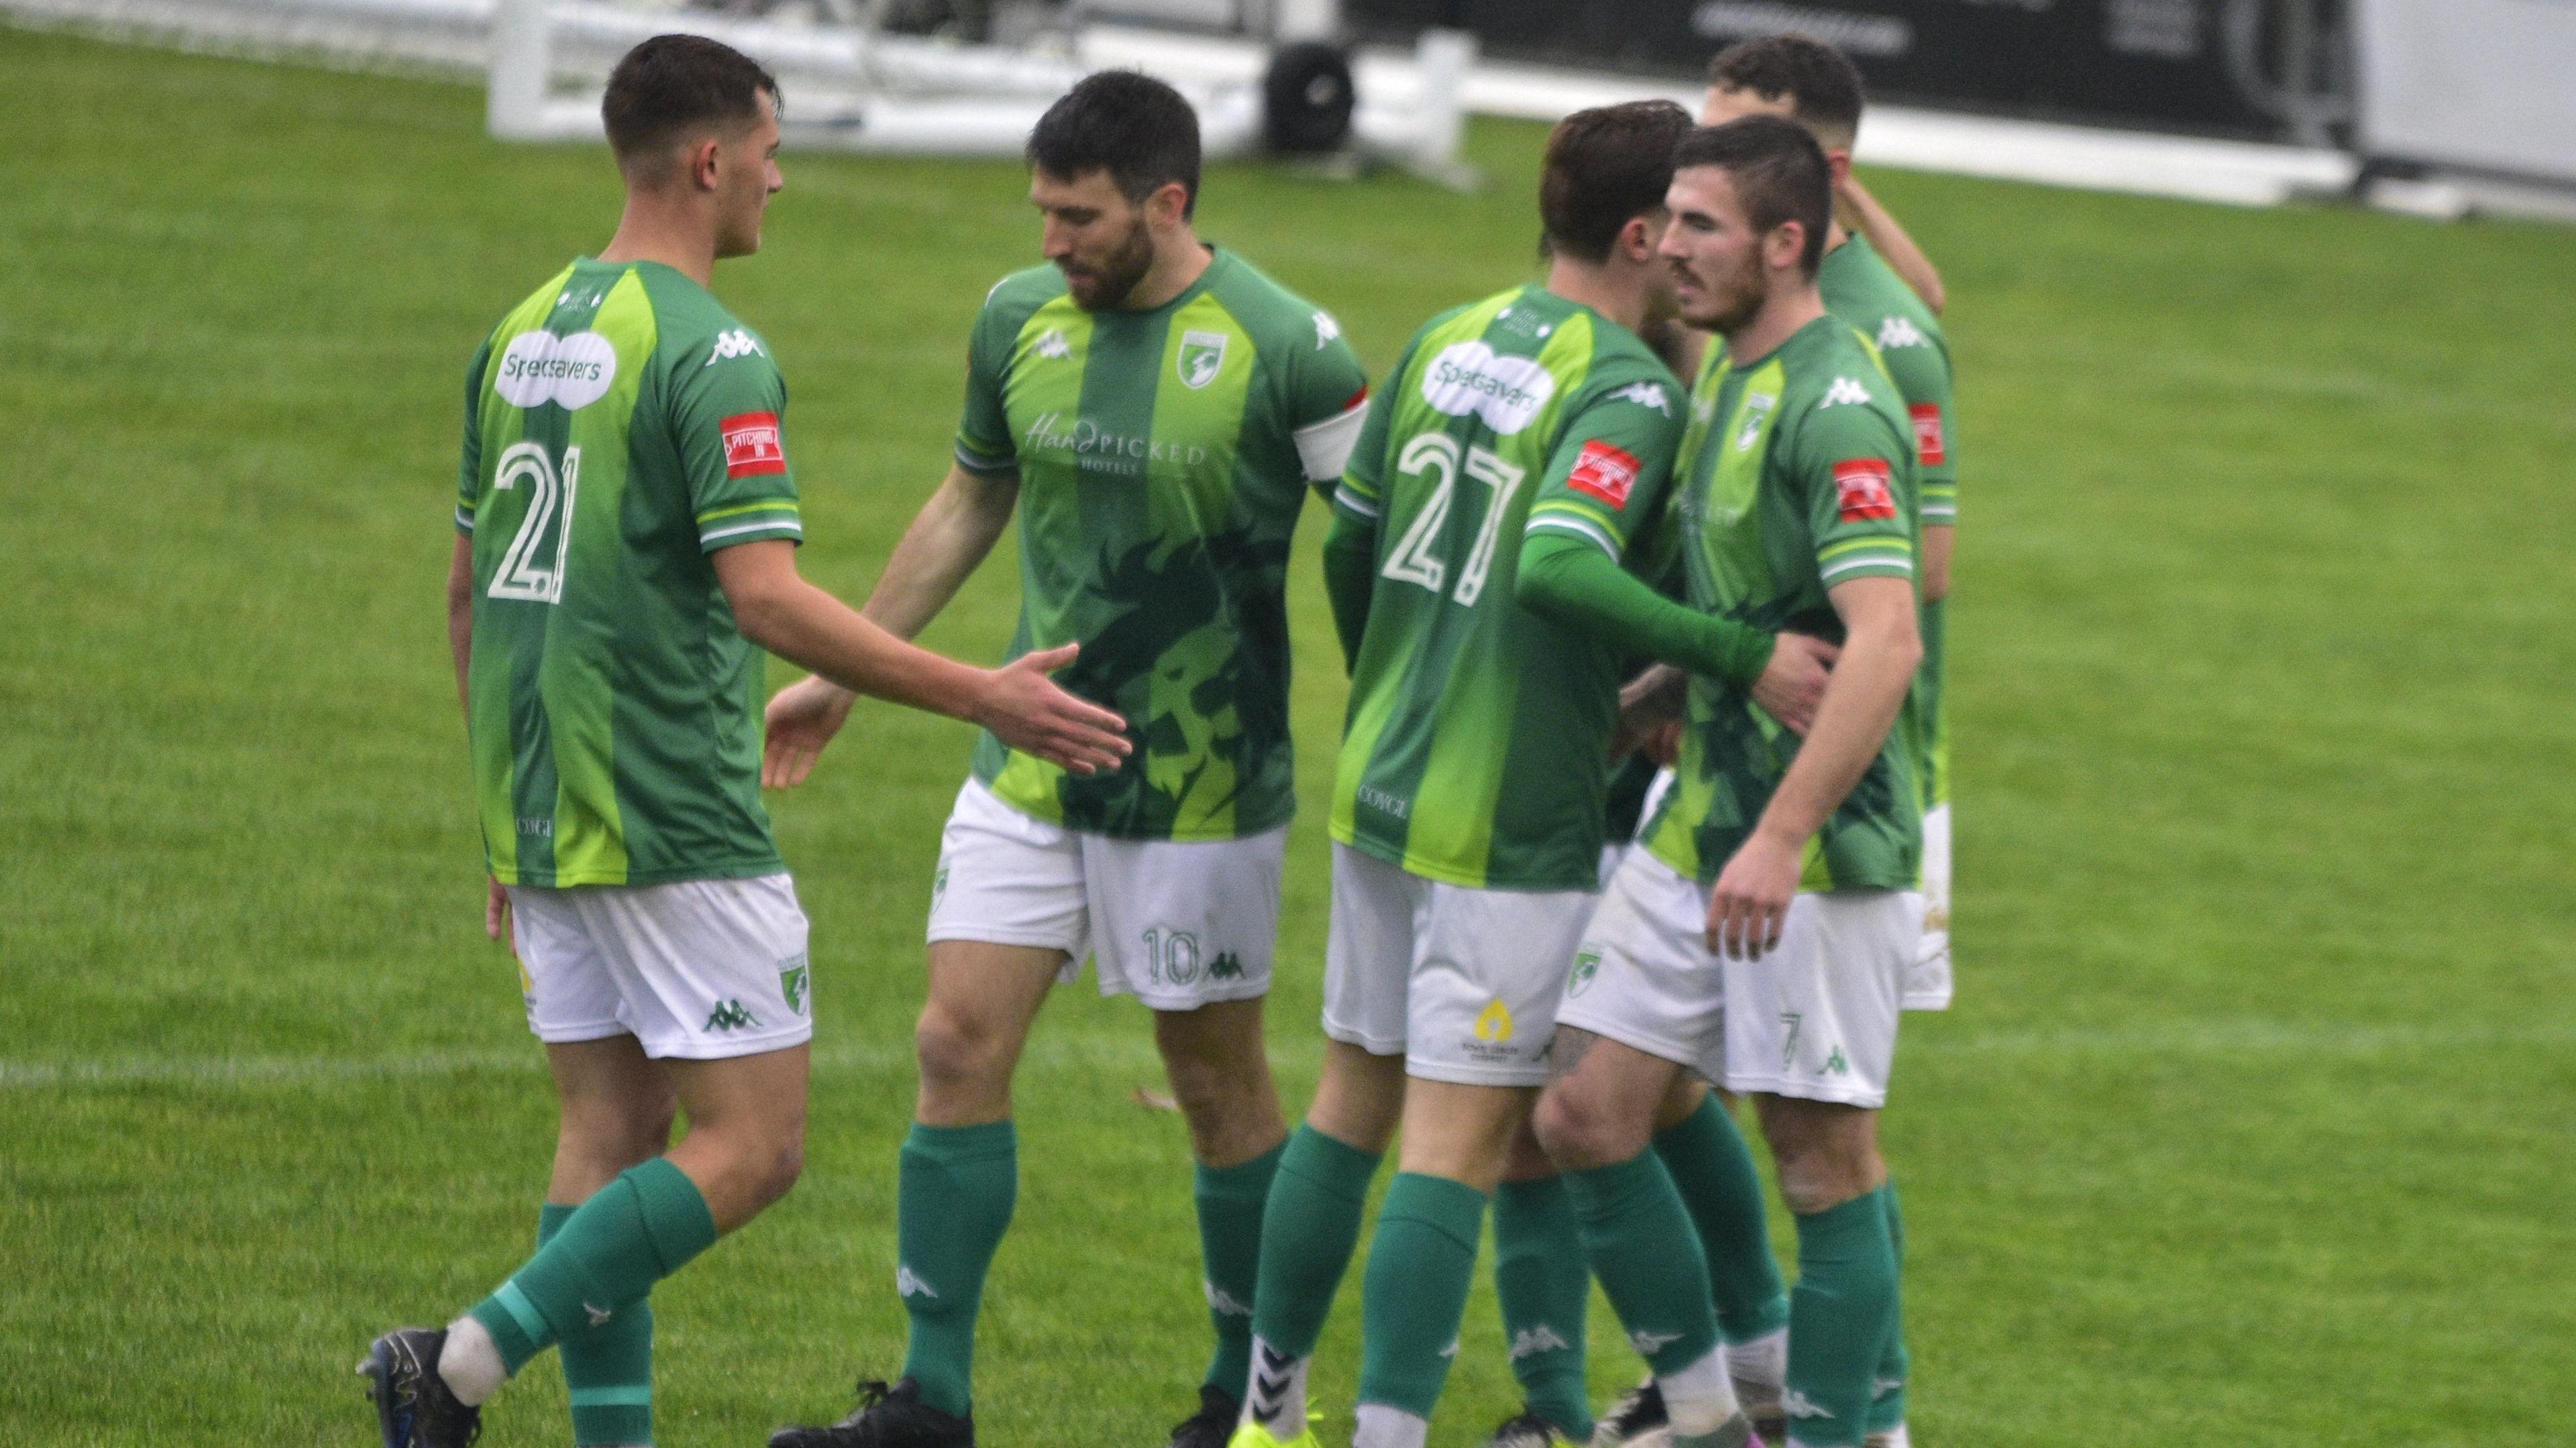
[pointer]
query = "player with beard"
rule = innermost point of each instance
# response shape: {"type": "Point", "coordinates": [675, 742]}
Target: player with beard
{"type": "Point", "coordinates": [1762, 936]}
{"type": "Point", "coordinates": [1153, 411]}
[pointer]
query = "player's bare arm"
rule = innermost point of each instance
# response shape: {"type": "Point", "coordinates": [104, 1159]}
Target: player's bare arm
{"type": "Point", "coordinates": [949, 538]}
{"type": "Point", "coordinates": [1859, 211]}
{"type": "Point", "coordinates": [1870, 679]}
{"type": "Point", "coordinates": [1937, 538]}
{"type": "Point", "coordinates": [778, 610]}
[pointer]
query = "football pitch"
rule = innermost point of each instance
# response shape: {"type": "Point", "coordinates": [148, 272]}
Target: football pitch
{"type": "Point", "coordinates": [2255, 1122]}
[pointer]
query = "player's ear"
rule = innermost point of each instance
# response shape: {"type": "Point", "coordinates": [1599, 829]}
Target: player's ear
{"type": "Point", "coordinates": [1168, 206]}
{"type": "Point", "coordinates": [1639, 237]}
{"type": "Point", "coordinates": [1838, 165]}
{"type": "Point", "coordinates": [702, 157]}
{"type": "Point", "coordinates": [1785, 245]}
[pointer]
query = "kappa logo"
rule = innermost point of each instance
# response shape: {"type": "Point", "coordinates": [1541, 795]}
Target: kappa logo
{"type": "Point", "coordinates": [737, 343]}
{"type": "Point", "coordinates": [571, 372]}
{"type": "Point", "coordinates": [1224, 1303]}
{"type": "Point", "coordinates": [1202, 356]}
{"type": "Point", "coordinates": [1648, 1344]}
{"type": "Point", "coordinates": [1844, 390]}
{"type": "Point", "coordinates": [1507, 392]}
{"type": "Point", "coordinates": [1451, 1350]}
{"type": "Point", "coordinates": [1226, 966]}
{"type": "Point", "coordinates": [1835, 1064]}
{"type": "Point", "coordinates": [908, 1283]}
{"type": "Point", "coordinates": [1326, 329]}
{"type": "Point", "coordinates": [1899, 331]}
{"type": "Point", "coordinates": [752, 445]}
{"type": "Point", "coordinates": [1053, 346]}
{"type": "Point", "coordinates": [1798, 1405]}
{"type": "Point", "coordinates": [730, 1015]}
{"type": "Point", "coordinates": [1531, 1341]}
{"type": "Point", "coordinates": [1645, 394]}
{"type": "Point", "coordinates": [1881, 1387]}
{"type": "Point", "coordinates": [598, 1315]}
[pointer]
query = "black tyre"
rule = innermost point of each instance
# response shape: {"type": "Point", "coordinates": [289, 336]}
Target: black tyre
{"type": "Point", "coordinates": [1307, 98]}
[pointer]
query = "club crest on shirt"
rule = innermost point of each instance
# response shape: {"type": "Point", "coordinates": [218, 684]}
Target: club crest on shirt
{"type": "Point", "coordinates": [1202, 354]}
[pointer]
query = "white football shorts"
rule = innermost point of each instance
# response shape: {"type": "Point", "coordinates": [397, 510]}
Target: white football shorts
{"type": "Point", "coordinates": [697, 969]}
{"type": "Point", "coordinates": [1463, 982]}
{"type": "Point", "coordinates": [1174, 923]}
{"type": "Point", "coordinates": [1814, 1017]}
{"type": "Point", "coordinates": [1927, 984]}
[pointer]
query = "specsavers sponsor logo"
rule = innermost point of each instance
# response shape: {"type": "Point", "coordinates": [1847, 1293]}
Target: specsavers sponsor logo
{"type": "Point", "coordinates": [571, 372]}
{"type": "Point", "coordinates": [1507, 392]}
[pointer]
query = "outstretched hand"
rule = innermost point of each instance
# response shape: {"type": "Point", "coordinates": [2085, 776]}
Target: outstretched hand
{"type": "Point", "coordinates": [1028, 711]}
{"type": "Point", "coordinates": [800, 720]}
{"type": "Point", "coordinates": [1793, 682]}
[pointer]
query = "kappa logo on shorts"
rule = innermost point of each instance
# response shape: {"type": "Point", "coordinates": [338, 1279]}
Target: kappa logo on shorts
{"type": "Point", "coordinates": [794, 977]}
{"type": "Point", "coordinates": [752, 445]}
{"type": "Point", "coordinates": [1587, 967]}
{"type": "Point", "coordinates": [1226, 966]}
{"type": "Point", "coordinates": [730, 1015]}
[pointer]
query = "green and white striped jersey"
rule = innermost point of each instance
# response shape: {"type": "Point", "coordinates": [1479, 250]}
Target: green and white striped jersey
{"type": "Point", "coordinates": [1474, 748]}
{"type": "Point", "coordinates": [1860, 288]}
{"type": "Point", "coordinates": [620, 426]}
{"type": "Point", "coordinates": [1797, 474]}
{"type": "Point", "coordinates": [1163, 456]}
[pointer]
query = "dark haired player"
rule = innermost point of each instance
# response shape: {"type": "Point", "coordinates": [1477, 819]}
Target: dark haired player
{"type": "Point", "coordinates": [1477, 570]}
{"type": "Point", "coordinates": [1154, 411]}
{"type": "Point", "coordinates": [1786, 868]}
{"type": "Point", "coordinates": [626, 533]}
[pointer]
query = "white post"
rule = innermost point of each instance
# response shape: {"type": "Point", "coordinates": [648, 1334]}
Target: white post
{"type": "Point", "coordinates": [515, 105]}
{"type": "Point", "coordinates": [1445, 57]}
{"type": "Point", "coordinates": [1305, 20]}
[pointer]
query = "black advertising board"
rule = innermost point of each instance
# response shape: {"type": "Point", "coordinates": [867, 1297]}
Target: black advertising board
{"type": "Point", "coordinates": [2168, 64]}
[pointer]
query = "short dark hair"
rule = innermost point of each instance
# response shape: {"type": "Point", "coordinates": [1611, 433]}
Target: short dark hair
{"type": "Point", "coordinates": [1779, 172]}
{"type": "Point", "coordinates": [1136, 128]}
{"type": "Point", "coordinates": [1822, 85]}
{"type": "Point", "coordinates": [671, 83]}
{"type": "Point", "coordinates": [1604, 167]}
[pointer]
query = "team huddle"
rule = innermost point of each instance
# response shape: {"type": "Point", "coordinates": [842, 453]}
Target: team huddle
{"type": "Point", "coordinates": [1642, 788]}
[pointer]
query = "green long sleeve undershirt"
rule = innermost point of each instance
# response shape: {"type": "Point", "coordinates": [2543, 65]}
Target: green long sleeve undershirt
{"type": "Point", "coordinates": [1350, 576]}
{"type": "Point", "coordinates": [1570, 581]}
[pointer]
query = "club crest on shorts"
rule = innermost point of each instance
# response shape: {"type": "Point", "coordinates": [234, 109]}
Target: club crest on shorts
{"type": "Point", "coordinates": [794, 979]}
{"type": "Point", "coordinates": [1202, 354]}
{"type": "Point", "coordinates": [1586, 967]}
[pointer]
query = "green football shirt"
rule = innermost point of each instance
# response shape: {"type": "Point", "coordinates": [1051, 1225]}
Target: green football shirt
{"type": "Point", "coordinates": [1797, 474]}
{"type": "Point", "coordinates": [620, 426]}
{"type": "Point", "coordinates": [1474, 748]}
{"type": "Point", "coordinates": [1867, 294]}
{"type": "Point", "coordinates": [1163, 456]}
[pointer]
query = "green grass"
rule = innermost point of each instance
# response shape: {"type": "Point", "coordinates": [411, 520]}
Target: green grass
{"type": "Point", "coordinates": [2255, 1123]}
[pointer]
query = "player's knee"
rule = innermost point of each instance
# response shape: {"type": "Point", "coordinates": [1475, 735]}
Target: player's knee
{"type": "Point", "coordinates": [1821, 1175]}
{"type": "Point", "coordinates": [1579, 1131]}
{"type": "Point", "coordinates": [955, 1052]}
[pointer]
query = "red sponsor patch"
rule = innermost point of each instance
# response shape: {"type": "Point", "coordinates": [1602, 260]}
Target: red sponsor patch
{"type": "Point", "coordinates": [752, 445]}
{"type": "Point", "coordinates": [1929, 449]}
{"type": "Point", "coordinates": [1862, 487]}
{"type": "Point", "coordinates": [1605, 471]}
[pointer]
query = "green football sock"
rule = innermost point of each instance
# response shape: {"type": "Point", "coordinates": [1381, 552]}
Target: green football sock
{"type": "Point", "coordinates": [1638, 1237]}
{"type": "Point", "coordinates": [1840, 1315]}
{"type": "Point", "coordinates": [1713, 1170]}
{"type": "Point", "coordinates": [1308, 1232]}
{"type": "Point", "coordinates": [1544, 1289]}
{"type": "Point", "coordinates": [1420, 1266]}
{"type": "Point", "coordinates": [1887, 1401]}
{"type": "Point", "coordinates": [955, 1187]}
{"type": "Point", "coordinates": [608, 1369]}
{"type": "Point", "coordinates": [1230, 1199]}
{"type": "Point", "coordinates": [632, 1233]}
